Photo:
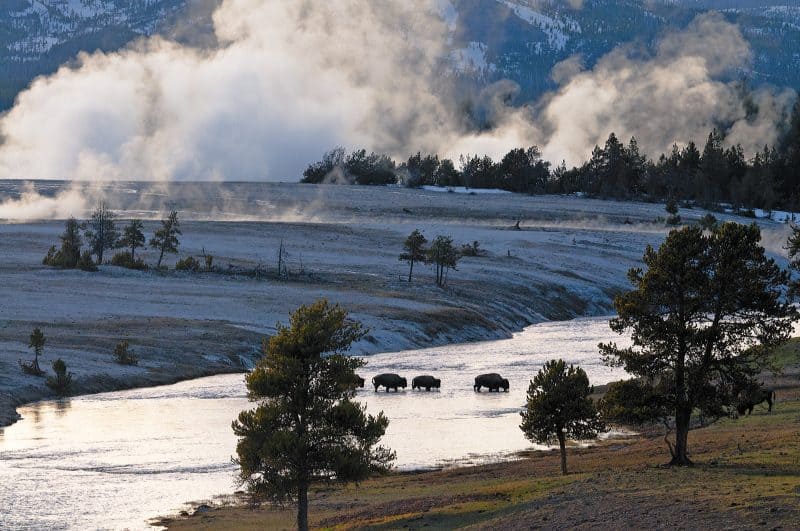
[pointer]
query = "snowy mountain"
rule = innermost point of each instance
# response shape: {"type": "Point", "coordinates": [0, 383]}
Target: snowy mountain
{"type": "Point", "coordinates": [490, 39]}
{"type": "Point", "coordinates": [523, 39]}
{"type": "Point", "coordinates": [36, 36]}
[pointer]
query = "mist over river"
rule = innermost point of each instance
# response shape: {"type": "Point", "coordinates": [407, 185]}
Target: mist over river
{"type": "Point", "coordinates": [113, 460]}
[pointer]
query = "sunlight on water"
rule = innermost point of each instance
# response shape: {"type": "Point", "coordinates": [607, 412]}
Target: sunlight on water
{"type": "Point", "coordinates": [113, 460]}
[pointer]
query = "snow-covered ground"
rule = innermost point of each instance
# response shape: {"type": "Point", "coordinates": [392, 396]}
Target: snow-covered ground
{"type": "Point", "coordinates": [342, 242]}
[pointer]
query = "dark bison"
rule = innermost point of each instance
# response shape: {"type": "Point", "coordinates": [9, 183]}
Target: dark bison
{"type": "Point", "coordinates": [749, 398]}
{"type": "Point", "coordinates": [492, 380]}
{"type": "Point", "coordinates": [359, 381]}
{"type": "Point", "coordinates": [427, 381]}
{"type": "Point", "coordinates": [389, 380]}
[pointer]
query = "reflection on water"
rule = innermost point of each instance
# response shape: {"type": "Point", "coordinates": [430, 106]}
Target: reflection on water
{"type": "Point", "coordinates": [115, 459]}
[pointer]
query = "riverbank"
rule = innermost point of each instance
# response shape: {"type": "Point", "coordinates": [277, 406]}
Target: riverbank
{"type": "Point", "coordinates": [747, 476]}
{"type": "Point", "coordinates": [568, 259]}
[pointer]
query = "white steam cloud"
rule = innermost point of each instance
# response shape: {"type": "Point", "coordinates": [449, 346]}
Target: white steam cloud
{"type": "Point", "coordinates": [673, 96]}
{"type": "Point", "coordinates": [293, 78]}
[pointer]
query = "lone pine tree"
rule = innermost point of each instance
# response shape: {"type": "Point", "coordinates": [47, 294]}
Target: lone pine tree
{"type": "Point", "coordinates": [703, 316]}
{"type": "Point", "coordinates": [558, 407]}
{"type": "Point", "coordinates": [413, 250]}
{"type": "Point", "coordinates": [306, 428]}
{"type": "Point", "coordinates": [165, 239]}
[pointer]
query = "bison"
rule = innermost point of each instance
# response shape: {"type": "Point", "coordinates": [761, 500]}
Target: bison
{"type": "Point", "coordinates": [750, 398]}
{"type": "Point", "coordinates": [427, 381]}
{"type": "Point", "coordinates": [389, 380]}
{"type": "Point", "coordinates": [359, 381]}
{"type": "Point", "coordinates": [492, 381]}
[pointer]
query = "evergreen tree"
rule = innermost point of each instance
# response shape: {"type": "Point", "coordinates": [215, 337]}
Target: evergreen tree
{"type": "Point", "coordinates": [323, 170]}
{"type": "Point", "coordinates": [36, 342]}
{"type": "Point", "coordinates": [444, 256]}
{"type": "Point", "coordinates": [101, 232]}
{"type": "Point", "coordinates": [704, 316]}
{"type": "Point", "coordinates": [413, 250]}
{"type": "Point", "coordinates": [70, 253]}
{"type": "Point", "coordinates": [165, 239]}
{"type": "Point", "coordinates": [558, 407]}
{"type": "Point", "coordinates": [790, 168]}
{"type": "Point", "coordinates": [62, 382]}
{"type": "Point", "coordinates": [524, 171]}
{"type": "Point", "coordinates": [713, 168]}
{"type": "Point", "coordinates": [446, 174]}
{"type": "Point", "coordinates": [133, 237]}
{"type": "Point", "coordinates": [306, 428]}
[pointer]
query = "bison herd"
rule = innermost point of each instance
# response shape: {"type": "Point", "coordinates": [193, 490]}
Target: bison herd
{"type": "Point", "coordinates": [492, 381]}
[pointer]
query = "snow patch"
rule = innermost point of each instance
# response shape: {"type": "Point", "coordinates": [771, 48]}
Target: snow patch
{"type": "Point", "coordinates": [555, 29]}
{"type": "Point", "coordinates": [472, 58]}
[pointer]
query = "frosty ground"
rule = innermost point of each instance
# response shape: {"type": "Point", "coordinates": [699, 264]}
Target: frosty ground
{"type": "Point", "coordinates": [342, 242]}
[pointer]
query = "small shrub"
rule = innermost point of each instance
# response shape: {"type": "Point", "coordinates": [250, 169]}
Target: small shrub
{"type": "Point", "coordinates": [86, 263]}
{"type": "Point", "coordinates": [209, 262]}
{"type": "Point", "coordinates": [123, 356]}
{"type": "Point", "coordinates": [671, 207]}
{"type": "Point", "coordinates": [472, 249]}
{"type": "Point", "coordinates": [31, 368]}
{"type": "Point", "coordinates": [673, 220]}
{"type": "Point", "coordinates": [124, 259]}
{"type": "Point", "coordinates": [708, 222]}
{"type": "Point", "coordinates": [51, 258]}
{"type": "Point", "coordinates": [189, 263]}
{"type": "Point", "coordinates": [749, 213]}
{"type": "Point", "coordinates": [37, 342]}
{"type": "Point", "coordinates": [62, 382]}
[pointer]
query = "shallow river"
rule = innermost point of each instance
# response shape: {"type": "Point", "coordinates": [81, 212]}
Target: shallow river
{"type": "Point", "coordinates": [113, 460]}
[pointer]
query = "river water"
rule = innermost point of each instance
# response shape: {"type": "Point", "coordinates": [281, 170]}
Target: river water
{"type": "Point", "coordinates": [113, 460]}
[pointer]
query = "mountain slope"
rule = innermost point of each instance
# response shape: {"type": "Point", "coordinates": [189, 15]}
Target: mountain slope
{"type": "Point", "coordinates": [491, 40]}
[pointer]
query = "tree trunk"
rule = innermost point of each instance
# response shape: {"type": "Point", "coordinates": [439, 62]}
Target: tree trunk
{"type": "Point", "coordinates": [160, 257]}
{"type": "Point", "coordinates": [133, 250]}
{"type": "Point", "coordinates": [563, 447]}
{"type": "Point", "coordinates": [410, 270]}
{"type": "Point", "coordinates": [682, 418]}
{"type": "Point", "coordinates": [302, 507]}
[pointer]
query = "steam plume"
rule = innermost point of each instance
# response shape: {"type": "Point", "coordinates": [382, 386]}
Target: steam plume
{"type": "Point", "coordinates": [289, 79]}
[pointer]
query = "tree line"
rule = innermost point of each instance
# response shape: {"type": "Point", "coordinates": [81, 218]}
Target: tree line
{"type": "Point", "coordinates": [709, 175]}
{"type": "Point", "coordinates": [101, 234]}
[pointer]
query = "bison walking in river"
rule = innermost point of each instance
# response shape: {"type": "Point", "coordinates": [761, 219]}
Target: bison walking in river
{"type": "Point", "coordinates": [493, 381]}
{"type": "Point", "coordinates": [427, 381]}
{"type": "Point", "coordinates": [389, 380]}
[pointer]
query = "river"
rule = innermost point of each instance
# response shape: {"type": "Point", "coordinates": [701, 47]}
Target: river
{"type": "Point", "coordinates": [113, 460]}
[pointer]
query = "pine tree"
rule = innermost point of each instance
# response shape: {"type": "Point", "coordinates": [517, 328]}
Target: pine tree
{"type": "Point", "coordinates": [101, 231]}
{"type": "Point", "coordinates": [36, 342]}
{"type": "Point", "coordinates": [558, 407]}
{"type": "Point", "coordinates": [306, 428]}
{"type": "Point", "coordinates": [444, 256]}
{"type": "Point", "coordinates": [133, 237]}
{"type": "Point", "coordinates": [70, 253]}
{"type": "Point", "coordinates": [413, 250]}
{"type": "Point", "coordinates": [703, 317]}
{"type": "Point", "coordinates": [713, 167]}
{"type": "Point", "coordinates": [165, 239]}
